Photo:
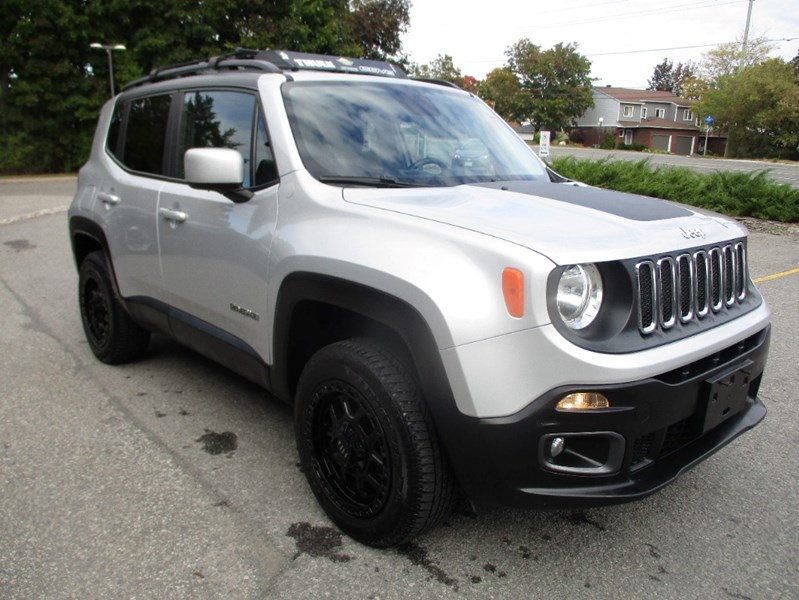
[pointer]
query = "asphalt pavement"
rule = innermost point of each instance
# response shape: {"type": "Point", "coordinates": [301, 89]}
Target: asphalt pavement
{"type": "Point", "coordinates": [174, 478]}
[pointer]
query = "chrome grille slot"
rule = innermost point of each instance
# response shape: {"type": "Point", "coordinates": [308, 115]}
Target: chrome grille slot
{"type": "Point", "coordinates": [647, 293]}
{"type": "Point", "coordinates": [667, 291]}
{"type": "Point", "coordinates": [716, 278]}
{"type": "Point", "coordinates": [702, 276]}
{"type": "Point", "coordinates": [740, 271]}
{"type": "Point", "coordinates": [685, 275]}
{"type": "Point", "coordinates": [729, 275]}
{"type": "Point", "coordinates": [686, 288]}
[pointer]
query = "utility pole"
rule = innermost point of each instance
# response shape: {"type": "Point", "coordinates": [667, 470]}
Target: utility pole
{"type": "Point", "coordinates": [742, 61]}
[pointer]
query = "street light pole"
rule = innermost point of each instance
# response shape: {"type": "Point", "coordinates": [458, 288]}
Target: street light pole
{"type": "Point", "coordinates": [108, 49]}
{"type": "Point", "coordinates": [599, 132]}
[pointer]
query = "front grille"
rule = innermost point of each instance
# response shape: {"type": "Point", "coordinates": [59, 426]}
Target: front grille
{"type": "Point", "coordinates": [677, 436]}
{"type": "Point", "coordinates": [690, 286]}
{"type": "Point", "coordinates": [641, 449]}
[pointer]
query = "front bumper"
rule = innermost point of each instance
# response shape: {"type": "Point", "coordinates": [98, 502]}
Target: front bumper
{"type": "Point", "coordinates": [654, 430]}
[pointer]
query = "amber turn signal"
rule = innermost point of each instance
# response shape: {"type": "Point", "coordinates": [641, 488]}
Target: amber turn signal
{"type": "Point", "coordinates": [513, 290]}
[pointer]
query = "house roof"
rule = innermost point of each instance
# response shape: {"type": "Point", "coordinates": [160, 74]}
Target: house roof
{"type": "Point", "coordinates": [628, 95]}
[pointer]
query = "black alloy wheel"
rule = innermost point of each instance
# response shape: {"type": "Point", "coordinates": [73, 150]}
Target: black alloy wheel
{"type": "Point", "coordinates": [367, 445]}
{"type": "Point", "coordinates": [351, 450]}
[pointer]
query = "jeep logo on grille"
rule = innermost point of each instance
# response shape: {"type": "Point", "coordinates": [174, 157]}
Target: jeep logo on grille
{"type": "Point", "coordinates": [692, 233]}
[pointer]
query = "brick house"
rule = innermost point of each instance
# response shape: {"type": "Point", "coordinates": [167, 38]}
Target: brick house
{"type": "Point", "coordinates": [657, 120]}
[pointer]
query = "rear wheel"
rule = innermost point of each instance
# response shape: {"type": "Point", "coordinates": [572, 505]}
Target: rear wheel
{"type": "Point", "coordinates": [367, 445]}
{"type": "Point", "coordinates": [112, 335]}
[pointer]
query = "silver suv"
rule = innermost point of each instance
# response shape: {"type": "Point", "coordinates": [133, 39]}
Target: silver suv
{"type": "Point", "coordinates": [448, 317]}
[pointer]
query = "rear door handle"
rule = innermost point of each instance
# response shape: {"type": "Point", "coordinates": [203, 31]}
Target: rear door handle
{"type": "Point", "coordinates": [109, 199]}
{"type": "Point", "coordinates": [176, 216]}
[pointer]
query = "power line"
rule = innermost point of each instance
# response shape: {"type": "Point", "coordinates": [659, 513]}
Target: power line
{"type": "Point", "coordinates": [677, 48]}
{"type": "Point", "coordinates": [579, 7]}
{"type": "Point", "coordinates": [643, 51]}
{"type": "Point", "coordinates": [637, 14]}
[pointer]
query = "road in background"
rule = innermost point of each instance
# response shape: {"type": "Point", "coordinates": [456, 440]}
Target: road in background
{"type": "Point", "coordinates": [783, 172]}
{"type": "Point", "coordinates": [174, 478]}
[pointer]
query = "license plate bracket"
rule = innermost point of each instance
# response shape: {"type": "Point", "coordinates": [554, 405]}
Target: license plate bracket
{"type": "Point", "coordinates": [725, 395]}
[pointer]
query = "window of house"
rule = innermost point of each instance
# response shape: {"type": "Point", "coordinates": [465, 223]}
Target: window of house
{"type": "Point", "coordinates": [145, 134]}
{"type": "Point", "coordinates": [643, 112]}
{"type": "Point", "coordinates": [687, 115]}
{"type": "Point", "coordinates": [660, 113]}
{"type": "Point", "coordinates": [621, 133]}
{"type": "Point", "coordinates": [628, 111]}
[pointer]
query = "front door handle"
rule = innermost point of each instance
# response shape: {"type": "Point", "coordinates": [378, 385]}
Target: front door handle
{"type": "Point", "coordinates": [176, 216]}
{"type": "Point", "coordinates": [109, 199]}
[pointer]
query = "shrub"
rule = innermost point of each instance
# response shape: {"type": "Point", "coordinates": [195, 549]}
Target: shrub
{"type": "Point", "coordinates": [732, 193]}
{"type": "Point", "coordinates": [635, 147]}
{"type": "Point", "coordinates": [608, 141]}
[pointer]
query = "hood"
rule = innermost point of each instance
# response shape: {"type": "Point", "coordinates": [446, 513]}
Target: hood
{"type": "Point", "coordinates": [567, 223]}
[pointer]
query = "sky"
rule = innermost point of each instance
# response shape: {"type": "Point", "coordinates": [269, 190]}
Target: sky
{"type": "Point", "coordinates": [623, 39]}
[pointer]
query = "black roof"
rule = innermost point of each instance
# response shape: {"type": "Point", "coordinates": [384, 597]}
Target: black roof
{"type": "Point", "coordinates": [271, 61]}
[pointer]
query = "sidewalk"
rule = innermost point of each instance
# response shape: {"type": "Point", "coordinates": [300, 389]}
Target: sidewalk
{"type": "Point", "coordinates": [23, 198]}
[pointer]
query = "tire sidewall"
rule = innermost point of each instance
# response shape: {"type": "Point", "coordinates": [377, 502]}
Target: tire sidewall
{"type": "Point", "coordinates": [342, 365]}
{"type": "Point", "coordinates": [93, 269]}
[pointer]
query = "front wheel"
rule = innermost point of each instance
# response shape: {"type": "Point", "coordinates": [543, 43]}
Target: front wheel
{"type": "Point", "coordinates": [367, 445]}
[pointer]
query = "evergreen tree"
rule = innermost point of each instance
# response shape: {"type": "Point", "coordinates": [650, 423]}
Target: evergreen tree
{"type": "Point", "coordinates": [52, 83]}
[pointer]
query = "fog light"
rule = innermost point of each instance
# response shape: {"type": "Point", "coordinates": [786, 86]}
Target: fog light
{"type": "Point", "coordinates": [583, 401]}
{"type": "Point", "coordinates": [557, 446]}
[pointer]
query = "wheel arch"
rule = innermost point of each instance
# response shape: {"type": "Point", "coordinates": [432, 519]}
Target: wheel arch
{"type": "Point", "coordinates": [315, 310]}
{"type": "Point", "coordinates": [86, 237]}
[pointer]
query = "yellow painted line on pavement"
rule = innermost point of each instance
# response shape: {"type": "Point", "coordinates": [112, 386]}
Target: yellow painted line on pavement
{"type": "Point", "coordinates": [777, 275]}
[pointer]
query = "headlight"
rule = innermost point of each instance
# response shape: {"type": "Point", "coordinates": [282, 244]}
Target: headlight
{"type": "Point", "coordinates": [579, 295]}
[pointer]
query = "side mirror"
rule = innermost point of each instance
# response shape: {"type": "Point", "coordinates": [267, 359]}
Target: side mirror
{"type": "Point", "coordinates": [216, 169]}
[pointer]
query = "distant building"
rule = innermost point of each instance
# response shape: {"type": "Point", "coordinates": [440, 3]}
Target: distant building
{"type": "Point", "coordinates": [656, 120]}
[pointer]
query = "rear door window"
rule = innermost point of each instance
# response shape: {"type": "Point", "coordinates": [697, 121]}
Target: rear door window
{"type": "Point", "coordinates": [146, 134]}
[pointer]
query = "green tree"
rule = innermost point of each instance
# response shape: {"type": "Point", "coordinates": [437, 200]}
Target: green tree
{"type": "Point", "coordinates": [668, 78]}
{"type": "Point", "coordinates": [662, 76]}
{"type": "Point", "coordinates": [759, 108]}
{"type": "Point", "coordinates": [726, 59]}
{"type": "Point", "coordinates": [49, 99]}
{"type": "Point", "coordinates": [377, 27]}
{"type": "Point", "coordinates": [557, 82]}
{"type": "Point", "coordinates": [52, 84]}
{"type": "Point", "coordinates": [502, 90]}
{"type": "Point", "coordinates": [442, 68]}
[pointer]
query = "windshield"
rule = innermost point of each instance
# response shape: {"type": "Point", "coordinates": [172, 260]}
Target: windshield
{"type": "Point", "coordinates": [384, 133]}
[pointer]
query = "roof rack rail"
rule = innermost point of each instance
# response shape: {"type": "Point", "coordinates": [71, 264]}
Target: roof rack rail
{"type": "Point", "coordinates": [270, 61]}
{"type": "Point", "coordinates": [442, 82]}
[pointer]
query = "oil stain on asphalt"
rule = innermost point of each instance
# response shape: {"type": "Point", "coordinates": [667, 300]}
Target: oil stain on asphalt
{"type": "Point", "coordinates": [317, 541]}
{"type": "Point", "coordinates": [219, 443]}
{"type": "Point", "coordinates": [19, 245]}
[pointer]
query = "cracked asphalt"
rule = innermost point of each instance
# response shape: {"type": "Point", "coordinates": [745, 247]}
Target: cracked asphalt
{"type": "Point", "coordinates": [174, 478]}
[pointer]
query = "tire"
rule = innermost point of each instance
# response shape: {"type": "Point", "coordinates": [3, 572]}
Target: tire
{"type": "Point", "coordinates": [367, 445]}
{"type": "Point", "coordinates": [112, 335]}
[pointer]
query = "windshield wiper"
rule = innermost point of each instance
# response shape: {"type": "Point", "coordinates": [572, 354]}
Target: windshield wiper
{"type": "Point", "coordinates": [382, 182]}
